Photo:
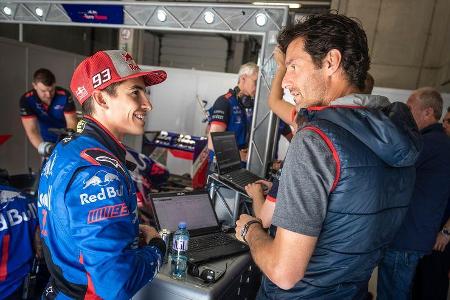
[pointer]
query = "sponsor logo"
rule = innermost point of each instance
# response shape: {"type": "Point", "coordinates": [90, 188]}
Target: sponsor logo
{"type": "Point", "coordinates": [105, 193]}
{"type": "Point", "coordinates": [101, 178]}
{"type": "Point", "coordinates": [48, 168]}
{"type": "Point", "coordinates": [109, 160]}
{"type": "Point", "coordinates": [58, 107]}
{"type": "Point", "coordinates": [131, 63]}
{"type": "Point", "coordinates": [107, 212]}
{"type": "Point", "coordinates": [80, 126]}
{"type": "Point", "coordinates": [8, 196]}
{"type": "Point", "coordinates": [81, 92]}
{"type": "Point", "coordinates": [100, 78]}
{"type": "Point", "coordinates": [44, 199]}
{"type": "Point", "coordinates": [14, 217]}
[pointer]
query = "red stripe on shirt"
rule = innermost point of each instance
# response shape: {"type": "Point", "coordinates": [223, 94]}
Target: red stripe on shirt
{"type": "Point", "coordinates": [271, 199]}
{"type": "Point", "coordinates": [90, 292]}
{"type": "Point", "coordinates": [29, 117]}
{"type": "Point", "coordinates": [223, 124]}
{"type": "Point", "coordinates": [333, 151]}
{"type": "Point", "coordinates": [4, 262]}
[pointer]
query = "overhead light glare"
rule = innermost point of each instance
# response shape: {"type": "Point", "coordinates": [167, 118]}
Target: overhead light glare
{"type": "Point", "coordinates": [7, 10]}
{"type": "Point", "coordinates": [161, 15]}
{"type": "Point", "coordinates": [290, 4]}
{"type": "Point", "coordinates": [261, 19]}
{"type": "Point", "coordinates": [209, 17]}
{"type": "Point", "coordinates": [39, 11]}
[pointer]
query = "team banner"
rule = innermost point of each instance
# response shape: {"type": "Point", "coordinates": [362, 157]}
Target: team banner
{"type": "Point", "coordinates": [85, 13]}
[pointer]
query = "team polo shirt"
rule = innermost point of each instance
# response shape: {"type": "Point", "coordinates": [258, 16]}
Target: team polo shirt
{"type": "Point", "coordinates": [48, 116]}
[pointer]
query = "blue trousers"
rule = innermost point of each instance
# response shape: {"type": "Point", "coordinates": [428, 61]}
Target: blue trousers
{"type": "Point", "coordinates": [396, 273]}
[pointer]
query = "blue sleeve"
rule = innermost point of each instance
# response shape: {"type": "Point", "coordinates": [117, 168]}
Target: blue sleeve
{"type": "Point", "coordinates": [104, 226]}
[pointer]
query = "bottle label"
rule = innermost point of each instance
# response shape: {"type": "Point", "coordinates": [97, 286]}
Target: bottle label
{"type": "Point", "coordinates": [180, 245]}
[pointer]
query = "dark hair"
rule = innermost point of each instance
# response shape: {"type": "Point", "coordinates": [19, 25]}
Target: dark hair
{"type": "Point", "coordinates": [368, 84]}
{"type": "Point", "coordinates": [448, 109]}
{"type": "Point", "coordinates": [44, 76]}
{"type": "Point", "coordinates": [88, 105]}
{"type": "Point", "coordinates": [324, 32]}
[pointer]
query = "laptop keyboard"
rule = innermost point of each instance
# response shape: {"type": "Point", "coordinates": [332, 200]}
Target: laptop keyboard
{"type": "Point", "coordinates": [210, 241]}
{"type": "Point", "coordinates": [241, 177]}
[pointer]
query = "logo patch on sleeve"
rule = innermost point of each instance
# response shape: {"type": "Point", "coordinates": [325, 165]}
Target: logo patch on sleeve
{"type": "Point", "coordinates": [107, 212]}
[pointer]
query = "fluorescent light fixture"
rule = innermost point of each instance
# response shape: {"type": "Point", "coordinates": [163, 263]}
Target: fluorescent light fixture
{"type": "Point", "coordinates": [7, 10]}
{"type": "Point", "coordinates": [209, 17]}
{"type": "Point", "coordinates": [261, 19]}
{"type": "Point", "coordinates": [290, 4]}
{"type": "Point", "coordinates": [39, 11]}
{"type": "Point", "coordinates": [161, 15]}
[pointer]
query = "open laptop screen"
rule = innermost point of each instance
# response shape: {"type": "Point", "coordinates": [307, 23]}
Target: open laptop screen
{"type": "Point", "coordinates": [226, 151]}
{"type": "Point", "coordinates": [193, 208]}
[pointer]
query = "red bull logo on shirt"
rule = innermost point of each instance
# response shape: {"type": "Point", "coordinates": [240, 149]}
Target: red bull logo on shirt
{"type": "Point", "coordinates": [101, 179]}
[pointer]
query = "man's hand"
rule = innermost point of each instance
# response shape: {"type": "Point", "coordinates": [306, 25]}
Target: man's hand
{"type": "Point", "coordinates": [441, 242]}
{"type": "Point", "coordinates": [243, 219]}
{"type": "Point", "coordinates": [279, 58]}
{"type": "Point", "coordinates": [147, 233]}
{"type": "Point", "coordinates": [244, 154]}
{"type": "Point", "coordinates": [254, 190]}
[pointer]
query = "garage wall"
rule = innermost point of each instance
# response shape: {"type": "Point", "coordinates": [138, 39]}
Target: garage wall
{"type": "Point", "coordinates": [18, 61]}
{"type": "Point", "coordinates": [409, 40]}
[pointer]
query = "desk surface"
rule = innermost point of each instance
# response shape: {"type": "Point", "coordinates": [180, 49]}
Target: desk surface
{"type": "Point", "coordinates": [165, 287]}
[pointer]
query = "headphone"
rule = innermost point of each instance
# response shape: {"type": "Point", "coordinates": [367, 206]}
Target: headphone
{"type": "Point", "coordinates": [245, 100]}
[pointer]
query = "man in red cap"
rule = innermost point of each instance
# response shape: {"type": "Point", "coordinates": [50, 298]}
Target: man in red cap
{"type": "Point", "coordinates": [87, 201]}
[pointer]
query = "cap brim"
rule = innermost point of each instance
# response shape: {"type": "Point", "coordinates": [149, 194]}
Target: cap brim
{"type": "Point", "coordinates": [150, 77]}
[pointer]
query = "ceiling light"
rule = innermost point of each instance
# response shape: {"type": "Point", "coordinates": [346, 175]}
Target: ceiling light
{"type": "Point", "coordinates": [261, 19]}
{"type": "Point", "coordinates": [209, 17]}
{"type": "Point", "coordinates": [161, 15]}
{"type": "Point", "coordinates": [290, 4]}
{"type": "Point", "coordinates": [7, 10]}
{"type": "Point", "coordinates": [39, 11]}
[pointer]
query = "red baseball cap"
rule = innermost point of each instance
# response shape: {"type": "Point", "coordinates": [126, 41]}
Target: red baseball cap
{"type": "Point", "coordinates": [106, 67]}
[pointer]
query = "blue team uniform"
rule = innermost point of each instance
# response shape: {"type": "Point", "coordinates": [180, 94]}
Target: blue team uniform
{"type": "Point", "coordinates": [48, 116]}
{"type": "Point", "coordinates": [18, 223]}
{"type": "Point", "coordinates": [89, 223]}
{"type": "Point", "coordinates": [228, 111]}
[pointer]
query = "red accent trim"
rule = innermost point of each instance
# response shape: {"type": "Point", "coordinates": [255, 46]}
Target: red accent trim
{"type": "Point", "coordinates": [182, 154]}
{"type": "Point", "coordinates": [61, 92]}
{"type": "Point", "coordinates": [293, 115]}
{"type": "Point", "coordinates": [271, 199]}
{"type": "Point", "coordinates": [90, 293]}
{"type": "Point", "coordinates": [333, 151]}
{"type": "Point", "coordinates": [90, 159]}
{"type": "Point", "coordinates": [70, 112]}
{"type": "Point", "coordinates": [107, 131]}
{"type": "Point", "coordinates": [223, 124]}
{"type": "Point", "coordinates": [29, 94]}
{"type": "Point", "coordinates": [4, 138]}
{"type": "Point", "coordinates": [29, 117]}
{"type": "Point", "coordinates": [84, 155]}
{"type": "Point", "coordinates": [336, 106]}
{"type": "Point", "coordinates": [4, 262]}
{"type": "Point", "coordinates": [228, 95]}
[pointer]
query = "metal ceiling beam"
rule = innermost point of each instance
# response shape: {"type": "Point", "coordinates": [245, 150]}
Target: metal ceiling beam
{"type": "Point", "coordinates": [184, 17]}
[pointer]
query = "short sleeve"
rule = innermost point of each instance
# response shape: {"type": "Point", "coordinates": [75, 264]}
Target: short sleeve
{"type": "Point", "coordinates": [25, 109]}
{"type": "Point", "coordinates": [220, 112]}
{"type": "Point", "coordinates": [305, 183]}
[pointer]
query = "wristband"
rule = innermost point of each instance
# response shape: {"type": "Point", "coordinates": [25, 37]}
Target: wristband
{"type": "Point", "coordinates": [247, 225]}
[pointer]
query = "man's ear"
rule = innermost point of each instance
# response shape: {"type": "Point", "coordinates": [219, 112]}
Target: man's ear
{"type": "Point", "coordinates": [429, 112]}
{"type": "Point", "coordinates": [332, 61]}
{"type": "Point", "coordinates": [100, 99]}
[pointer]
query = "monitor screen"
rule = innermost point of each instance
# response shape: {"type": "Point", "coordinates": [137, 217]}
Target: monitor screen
{"type": "Point", "coordinates": [194, 209]}
{"type": "Point", "coordinates": [226, 151]}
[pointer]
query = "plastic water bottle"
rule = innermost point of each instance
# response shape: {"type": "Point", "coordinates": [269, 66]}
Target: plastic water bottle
{"type": "Point", "coordinates": [178, 258]}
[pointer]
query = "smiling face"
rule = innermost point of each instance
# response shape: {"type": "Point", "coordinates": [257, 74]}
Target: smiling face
{"type": "Point", "coordinates": [125, 112]}
{"type": "Point", "coordinates": [305, 81]}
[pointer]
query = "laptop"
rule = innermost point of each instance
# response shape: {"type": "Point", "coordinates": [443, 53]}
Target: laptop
{"type": "Point", "coordinates": [229, 161]}
{"type": "Point", "coordinates": [207, 242]}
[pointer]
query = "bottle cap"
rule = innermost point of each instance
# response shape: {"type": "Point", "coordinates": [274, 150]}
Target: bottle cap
{"type": "Point", "coordinates": [182, 225]}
